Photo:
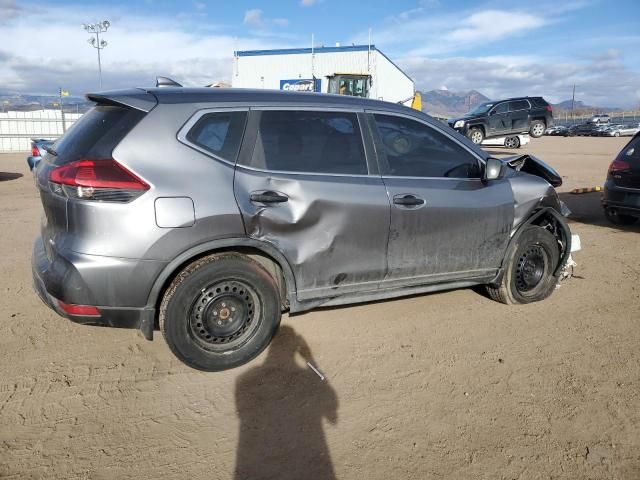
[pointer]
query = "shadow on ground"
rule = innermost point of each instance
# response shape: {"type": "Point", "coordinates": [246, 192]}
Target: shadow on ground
{"type": "Point", "coordinates": [6, 176]}
{"type": "Point", "coordinates": [282, 405]}
{"type": "Point", "coordinates": [586, 208]}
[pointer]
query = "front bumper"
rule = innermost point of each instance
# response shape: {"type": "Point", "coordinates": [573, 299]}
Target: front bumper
{"type": "Point", "coordinates": [73, 281]}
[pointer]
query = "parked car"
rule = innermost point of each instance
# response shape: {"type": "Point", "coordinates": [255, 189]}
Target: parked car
{"type": "Point", "coordinates": [621, 131]}
{"type": "Point", "coordinates": [599, 130]}
{"type": "Point", "coordinates": [621, 198]}
{"type": "Point", "coordinates": [601, 118]}
{"type": "Point", "coordinates": [583, 129]}
{"type": "Point", "coordinates": [38, 149]}
{"type": "Point", "coordinates": [512, 141]}
{"type": "Point", "coordinates": [210, 211]}
{"type": "Point", "coordinates": [557, 130]}
{"type": "Point", "coordinates": [531, 115]}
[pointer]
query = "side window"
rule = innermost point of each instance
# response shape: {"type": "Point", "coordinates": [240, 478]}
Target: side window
{"type": "Point", "coordinates": [220, 133]}
{"type": "Point", "coordinates": [518, 105]}
{"type": "Point", "coordinates": [309, 141]}
{"type": "Point", "coordinates": [502, 108]}
{"type": "Point", "coordinates": [412, 149]}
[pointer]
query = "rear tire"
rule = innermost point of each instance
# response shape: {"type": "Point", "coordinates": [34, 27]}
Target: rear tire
{"type": "Point", "coordinates": [619, 219]}
{"type": "Point", "coordinates": [476, 135]}
{"type": "Point", "coordinates": [529, 268]}
{"type": "Point", "coordinates": [512, 142]}
{"type": "Point", "coordinates": [220, 312]}
{"type": "Point", "coordinates": [537, 128]}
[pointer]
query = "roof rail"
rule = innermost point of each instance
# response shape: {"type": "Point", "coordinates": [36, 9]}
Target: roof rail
{"type": "Point", "coordinates": [166, 82]}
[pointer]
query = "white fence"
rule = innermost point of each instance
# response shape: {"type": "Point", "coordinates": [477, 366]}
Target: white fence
{"type": "Point", "coordinates": [18, 128]}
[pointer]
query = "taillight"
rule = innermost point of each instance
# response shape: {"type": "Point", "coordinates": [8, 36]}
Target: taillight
{"type": "Point", "coordinates": [618, 166]}
{"type": "Point", "coordinates": [549, 108]}
{"type": "Point", "coordinates": [101, 180]}
{"type": "Point", "coordinates": [83, 310]}
{"type": "Point", "coordinates": [34, 151]}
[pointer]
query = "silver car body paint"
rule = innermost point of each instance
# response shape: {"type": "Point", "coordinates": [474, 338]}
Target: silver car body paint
{"type": "Point", "coordinates": [337, 239]}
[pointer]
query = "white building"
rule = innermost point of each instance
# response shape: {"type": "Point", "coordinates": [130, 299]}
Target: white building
{"type": "Point", "coordinates": [358, 70]}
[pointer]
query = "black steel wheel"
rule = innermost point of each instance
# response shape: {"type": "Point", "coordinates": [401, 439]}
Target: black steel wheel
{"type": "Point", "coordinates": [529, 268]}
{"type": "Point", "coordinates": [220, 312]}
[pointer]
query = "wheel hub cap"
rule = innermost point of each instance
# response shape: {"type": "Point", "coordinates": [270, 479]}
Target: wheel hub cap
{"type": "Point", "coordinates": [224, 314]}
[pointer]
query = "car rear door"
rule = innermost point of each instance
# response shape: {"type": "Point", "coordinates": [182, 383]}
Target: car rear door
{"type": "Point", "coordinates": [303, 184]}
{"type": "Point", "coordinates": [446, 223]}
{"type": "Point", "coordinates": [519, 116]}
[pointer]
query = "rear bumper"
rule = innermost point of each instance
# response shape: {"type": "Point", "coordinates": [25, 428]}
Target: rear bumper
{"type": "Point", "coordinates": [73, 279]}
{"type": "Point", "coordinates": [625, 200]}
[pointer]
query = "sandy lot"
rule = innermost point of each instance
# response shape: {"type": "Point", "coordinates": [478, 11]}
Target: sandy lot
{"type": "Point", "coordinates": [449, 385]}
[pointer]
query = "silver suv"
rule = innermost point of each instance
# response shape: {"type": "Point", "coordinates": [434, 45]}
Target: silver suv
{"type": "Point", "coordinates": [209, 212]}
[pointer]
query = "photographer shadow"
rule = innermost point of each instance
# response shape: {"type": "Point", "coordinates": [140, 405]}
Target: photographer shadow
{"type": "Point", "coordinates": [282, 406]}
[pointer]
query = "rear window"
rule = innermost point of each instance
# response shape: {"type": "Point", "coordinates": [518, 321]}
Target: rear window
{"type": "Point", "coordinates": [539, 101]}
{"type": "Point", "coordinates": [310, 141]}
{"type": "Point", "coordinates": [631, 153]}
{"type": "Point", "coordinates": [220, 133]}
{"type": "Point", "coordinates": [95, 134]}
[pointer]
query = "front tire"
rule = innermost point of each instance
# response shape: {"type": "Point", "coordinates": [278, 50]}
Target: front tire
{"type": "Point", "coordinates": [220, 312]}
{"type": "Point", "coordinates": [476, 135]}
{"type": "Point", "coordinates": [529, 268]}
{"type": "Point", "coordinates": [537, 128]}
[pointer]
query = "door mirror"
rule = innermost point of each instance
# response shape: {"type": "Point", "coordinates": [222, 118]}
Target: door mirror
{"type": "Point", "coordinates": [493, 169]}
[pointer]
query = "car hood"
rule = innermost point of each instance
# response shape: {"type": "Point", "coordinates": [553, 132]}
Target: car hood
{"type": "Point", "coordinates": [534, 166]}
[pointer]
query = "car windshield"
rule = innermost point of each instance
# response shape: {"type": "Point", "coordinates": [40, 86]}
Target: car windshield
{"type": "Point", "coordinates": [482, 108]}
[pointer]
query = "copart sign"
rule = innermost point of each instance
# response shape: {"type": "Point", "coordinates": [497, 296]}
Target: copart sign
{"type": "Point", "coordinates": [301, 85]}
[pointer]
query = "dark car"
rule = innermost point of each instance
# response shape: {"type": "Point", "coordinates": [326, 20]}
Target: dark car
{"type": "Point", "coordinates": [531, 115]}
{"type": "Point", "coordinates": [211, 211]}
{"type": "Point", "coordinates": [558, 131]}
{"type": "Point", "coordinates": [38, 149]}
{"type": "Point", "coordinates": [621, 198]}
{"type": "Point", "coordinates": [583, 129]}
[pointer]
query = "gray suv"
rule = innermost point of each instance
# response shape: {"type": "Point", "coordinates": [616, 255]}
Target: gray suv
{"type": "Point", "coordinates": [208, 212]}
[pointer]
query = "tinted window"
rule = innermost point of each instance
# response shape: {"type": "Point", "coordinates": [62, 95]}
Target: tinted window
{"type": "Point", "coordinates": [631, 153]}
{"type": "Point", "coordinates": [95, 134]}
{"type": "Point", "coordinates": [413, 149]}
{"type": "Point", "coordinates": [220, 133]}
{"type": "Point", "coordinates": [307, 141]}
{"type": "Point", "coordinates": [519, 105]}
{"type": "Point", "coordinates": [539, 101]}
{"type": "Point", "coordinates": [502, 108]}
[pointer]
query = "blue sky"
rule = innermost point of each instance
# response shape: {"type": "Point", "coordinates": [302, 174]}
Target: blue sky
{"type": "Point", "coordinates": [499, 48]}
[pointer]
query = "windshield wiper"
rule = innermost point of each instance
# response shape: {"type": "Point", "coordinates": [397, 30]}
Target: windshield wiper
{"type": "Point", "coordinates": [50, 150]}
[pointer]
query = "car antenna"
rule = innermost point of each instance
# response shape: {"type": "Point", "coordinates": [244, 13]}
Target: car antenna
{"type": "Point", "coordinates": [166, 82]}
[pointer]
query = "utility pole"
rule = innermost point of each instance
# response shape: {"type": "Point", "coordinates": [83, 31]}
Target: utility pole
{"type": "Point", "coordinates": [573, 101]}
{"type": "Point", "coordinates": [64, 124]}
{"type": "Point", "coordinates": [95, 29]}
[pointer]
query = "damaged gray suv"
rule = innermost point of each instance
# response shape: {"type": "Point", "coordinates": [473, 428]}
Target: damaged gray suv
{"type": "Point", "coordinates": [209, 212]}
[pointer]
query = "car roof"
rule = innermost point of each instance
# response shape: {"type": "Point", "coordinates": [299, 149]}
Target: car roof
{"type": "Point", "coordinates": [177, 95]}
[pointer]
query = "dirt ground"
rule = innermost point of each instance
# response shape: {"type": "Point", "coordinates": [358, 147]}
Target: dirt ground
{"type": "Point", "coordinates": [449, 385]}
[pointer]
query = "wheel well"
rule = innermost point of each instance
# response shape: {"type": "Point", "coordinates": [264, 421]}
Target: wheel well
{"type": "Point", "coordinates": [549, 222]}
{"type": "Point", "coordinates": [542, 119]}
{"type": "Point", "coordinates": [269, 263]}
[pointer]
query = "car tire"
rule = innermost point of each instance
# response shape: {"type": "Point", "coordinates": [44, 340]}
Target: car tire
{"type": "Point", "coordinates": [476, 135]}
{"type": "Point", "coordinates": [537, 128]}
{"type": "Point", "coordinates": [529, 268]}
{"type": "Point", "coordinates": [512, 142]}
{"type": "Point", "coordinates": [220, 312]}
{"type": "Point", "coordinates": [619, 219]}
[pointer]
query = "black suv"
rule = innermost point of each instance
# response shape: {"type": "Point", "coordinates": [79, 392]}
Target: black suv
{"type": "Point", "coordinates": [531, 115]}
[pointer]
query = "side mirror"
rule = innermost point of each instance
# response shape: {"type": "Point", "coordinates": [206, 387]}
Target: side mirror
{"type": "Point", "coordinates": [493, 169]}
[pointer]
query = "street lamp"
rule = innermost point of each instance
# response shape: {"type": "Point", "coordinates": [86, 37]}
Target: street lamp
{"type": "Point", "coordinates": [95, 29]}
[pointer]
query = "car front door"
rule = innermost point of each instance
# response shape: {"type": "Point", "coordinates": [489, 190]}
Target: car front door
{"type": "Point", "coordinates": [519, 116]}
{"type": "Point", "coordinates": [303, 185]}
{"type": "Point", "coordinates": [446, 222]}
{"type": "Point", "coordinates": [499, 121]}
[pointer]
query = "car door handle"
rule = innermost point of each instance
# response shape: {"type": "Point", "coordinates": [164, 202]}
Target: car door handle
{"type": "Point", "coordinates": [408, 200]}
{"type": "Point", "coordinates": [268, 197]}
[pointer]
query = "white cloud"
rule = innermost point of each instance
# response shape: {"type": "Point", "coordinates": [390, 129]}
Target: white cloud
{"type": "Point", "coordinates": [281, 22]}
{"type": "Point", "coordinates": [254, 18]}
{"type": "Point", "coordinates": [308, 3]}
{"type": "Point", "coordinates": [490, 25]}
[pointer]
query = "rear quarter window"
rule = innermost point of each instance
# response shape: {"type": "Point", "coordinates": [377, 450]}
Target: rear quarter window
{"type": "Point", "coordinates": [95, 134]}
{"type": "Point", "coordinates": [219, 133]}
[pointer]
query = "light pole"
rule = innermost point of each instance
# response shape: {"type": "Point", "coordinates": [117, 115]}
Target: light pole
{"type": "Point", "coordinates": [95, 29]}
